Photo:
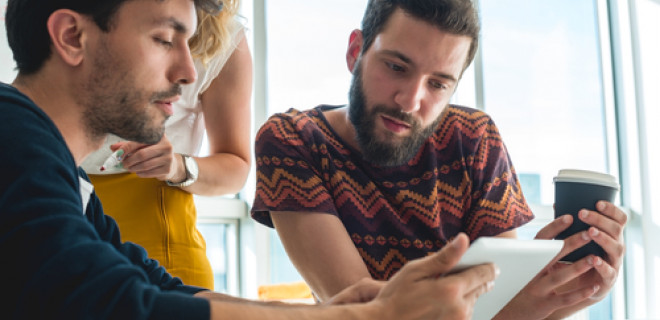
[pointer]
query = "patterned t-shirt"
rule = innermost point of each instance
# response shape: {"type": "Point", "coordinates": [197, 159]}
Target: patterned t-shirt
{"type": "Point", "coordinates": [461, 180]}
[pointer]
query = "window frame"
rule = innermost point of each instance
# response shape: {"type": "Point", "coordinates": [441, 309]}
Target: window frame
{"type": "Point", "coordinates": [232, 211]}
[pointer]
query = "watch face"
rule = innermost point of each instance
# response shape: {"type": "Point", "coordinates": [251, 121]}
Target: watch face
{"type": "Point", "coordinates": [191, 168]}
{"type": "Point", "coordinates": [192, 172]}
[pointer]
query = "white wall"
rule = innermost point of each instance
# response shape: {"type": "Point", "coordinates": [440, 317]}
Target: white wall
{"type": "Point", "coordinates": [7, 64]}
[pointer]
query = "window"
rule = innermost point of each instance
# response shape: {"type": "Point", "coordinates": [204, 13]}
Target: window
{"type": "Point", "coordinates": [307, 43]}
{"type": "Point", "coordinates": [220, 239]}
{"type": "Point", "coordinates": [7, 72]}
{"type": "Point", "coordinates": [543, 86]}
{"type": "Point", "coordinates": [639, 34]}
{"type": "Point", "coordinates": [647, 13]}
{"type": "Point", "coordinates": [218, 219]}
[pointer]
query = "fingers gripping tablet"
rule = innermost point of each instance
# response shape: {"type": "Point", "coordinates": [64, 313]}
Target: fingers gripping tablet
{"type": "Point", "coordinates": [518, 260]}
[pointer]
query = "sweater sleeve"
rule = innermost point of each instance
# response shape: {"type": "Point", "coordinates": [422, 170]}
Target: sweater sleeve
{"type": "Point", "coordinates": [58, 261]}
{"type": "Point", "coordinates": [289, 176]}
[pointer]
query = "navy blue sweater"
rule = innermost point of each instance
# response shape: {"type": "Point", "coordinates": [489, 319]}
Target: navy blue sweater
{"type": "Point", "coordinates": [58, 259]}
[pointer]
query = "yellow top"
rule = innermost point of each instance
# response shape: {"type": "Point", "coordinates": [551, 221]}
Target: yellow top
{"type": "Point", "coordinates": [160, 218]}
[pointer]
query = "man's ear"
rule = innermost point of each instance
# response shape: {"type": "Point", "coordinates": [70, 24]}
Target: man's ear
{"type": "Point", "coordinates": [66, 34]}
{"type": "Point", "coordinates": [354, 49]}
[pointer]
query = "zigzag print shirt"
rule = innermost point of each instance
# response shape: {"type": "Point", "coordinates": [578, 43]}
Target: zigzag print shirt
{"type": "Point", "coordinates": [462, 179]}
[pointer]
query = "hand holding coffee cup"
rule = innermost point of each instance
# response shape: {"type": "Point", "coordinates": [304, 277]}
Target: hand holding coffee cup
{"type": "Point", "coordinates": [581, 189]}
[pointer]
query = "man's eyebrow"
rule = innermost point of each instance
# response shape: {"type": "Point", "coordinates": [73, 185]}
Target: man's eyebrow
{"type": "Point", "coordinates": [398, 55]}
{"type": "Point", "coordinates": [407, 60]}
{"type": "Point", "coordinates": [173, 23]}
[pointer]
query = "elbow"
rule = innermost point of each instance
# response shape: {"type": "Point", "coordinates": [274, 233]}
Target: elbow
{"type": "Point", "coordinates": [234, 178]}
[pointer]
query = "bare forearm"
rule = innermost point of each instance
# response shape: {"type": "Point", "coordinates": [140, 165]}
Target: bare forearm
{"type": "Point", "coordinates": [325, 289]}
{"type": "Point", "coordinates": [216, 296]}
{"type": "Point", "coordinates": [228, 307]}
{"type": "Point", "coordinates": [336, 264]}
{"type": "Point", "coordinates": [220, 174]}
{"type": "Point", "coordinates": [566, 312]}
{"type": "Point", "coordinates": [224, 310]}
{"type": "Point", "coordinates": [226, 107]}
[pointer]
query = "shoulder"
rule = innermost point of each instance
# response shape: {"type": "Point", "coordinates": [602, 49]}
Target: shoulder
{"type": "Point", "coordinates": [239, 52]}
{"type": "Point", "coordinates": [464, 130]}
{"type": "Point", "coordinates": [22, 119]}
{"type": "Point", "coordinates": [29, 133]}
{"type": "Point", "coordinates": [36, 159]}
{"type": "Point", "coordinates": [465, 121]}
{"type": "Point", "coordinates": [467, 116]}
{"type": "Point", "coordinates": [293, 122]}
{"type": "Point", "coordinates": [15, 104]}
{"type": "Point", "coordinates": [236, 29]}
{"type": "Point", "coordinates": [294, 132]}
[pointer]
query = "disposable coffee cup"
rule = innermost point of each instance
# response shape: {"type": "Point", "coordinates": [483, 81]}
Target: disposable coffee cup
{"type": "Point", "coordinates": [581, 189]}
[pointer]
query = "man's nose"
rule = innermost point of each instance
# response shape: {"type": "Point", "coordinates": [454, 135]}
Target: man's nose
{"type": "Point", "coordinates": [410, 96]}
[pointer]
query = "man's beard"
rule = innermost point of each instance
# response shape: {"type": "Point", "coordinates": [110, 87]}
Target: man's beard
{"type": "Point", "coordinates": [114, 104]}
{"type": "Point", "coordinates": [386, 152]}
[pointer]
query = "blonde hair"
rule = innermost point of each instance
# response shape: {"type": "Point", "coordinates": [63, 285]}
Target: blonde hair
{"type": "Point", "coordinates": [212, 36]}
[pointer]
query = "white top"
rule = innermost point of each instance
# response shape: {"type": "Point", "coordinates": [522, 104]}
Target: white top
{"type": "Point", "coordinates": [185, 128]}
{"type": "Point", "coordinates": [86, 189]}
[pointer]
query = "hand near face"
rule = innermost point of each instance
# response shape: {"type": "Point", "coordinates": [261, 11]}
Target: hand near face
{"type": "Point", "coordinates": [421, 291]}
{"type": "Point", "coordinates": [151, 161]}
{"type": "Point", "coordinates": [561, 289]}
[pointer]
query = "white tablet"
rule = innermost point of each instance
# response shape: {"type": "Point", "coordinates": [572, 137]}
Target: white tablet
{"type": "Point", "coordinates": [519, 261]}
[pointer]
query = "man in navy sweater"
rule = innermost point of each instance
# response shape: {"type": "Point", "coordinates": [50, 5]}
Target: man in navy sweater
{"type": "Point", "coordinates": [87, 68]}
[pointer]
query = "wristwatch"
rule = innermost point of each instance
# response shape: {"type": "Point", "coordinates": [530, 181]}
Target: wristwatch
{"type": "Point", "coordinates": [192, 172]}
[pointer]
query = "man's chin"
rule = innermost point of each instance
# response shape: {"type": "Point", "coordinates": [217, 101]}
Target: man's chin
{"type": "Point", "coordinates": [152, 140]}
{"type": "Point", "coordinates": [146, 137]}
{"type": "Point", "coordinates": [393, 141]}
{"type": "Point", "coordinates": [388, 162]}
{"type": "Point", "coordinates": [155, 135]}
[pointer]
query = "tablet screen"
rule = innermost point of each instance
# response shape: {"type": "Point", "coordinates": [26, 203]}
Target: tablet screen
{"type": "Point", "coordinates": [519, 261]}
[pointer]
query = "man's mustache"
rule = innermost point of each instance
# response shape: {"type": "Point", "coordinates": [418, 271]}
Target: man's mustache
{"type": "Point", "coordinates": [174, 91]}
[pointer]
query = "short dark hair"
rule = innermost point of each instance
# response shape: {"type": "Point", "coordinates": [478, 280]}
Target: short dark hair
{"type": "Point", "coordinates": [454, 16]}
{"type": "Point", "coordinates": [27, 33]}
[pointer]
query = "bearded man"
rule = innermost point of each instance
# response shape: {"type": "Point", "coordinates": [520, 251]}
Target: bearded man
{"type": "Point", "coordinates": [358, 191]}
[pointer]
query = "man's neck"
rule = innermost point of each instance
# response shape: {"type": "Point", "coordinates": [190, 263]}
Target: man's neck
{"type": "Point", "coordinates": [340, 122]}
{"type": "Point", "coordinates": [56, 100]}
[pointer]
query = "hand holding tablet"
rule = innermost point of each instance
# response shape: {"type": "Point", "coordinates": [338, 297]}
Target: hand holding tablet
{"type": "Point", "coordinates": [518, 260]}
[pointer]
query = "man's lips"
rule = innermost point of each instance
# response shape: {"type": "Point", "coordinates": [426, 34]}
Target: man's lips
{"type": "Point", "coordinates": [395, 125]}
{"type": "Point", "coordinates": [166, 105]}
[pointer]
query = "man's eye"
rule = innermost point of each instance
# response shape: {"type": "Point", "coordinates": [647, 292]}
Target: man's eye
{"type": "Point", "coordinates": [165, 43]}
{"type": "Point", "coordinates": [395, 67]}
{"type": "Point", "coordinates": [438, 85]}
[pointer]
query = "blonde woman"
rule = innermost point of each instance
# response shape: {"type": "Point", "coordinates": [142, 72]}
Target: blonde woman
{"type": "Point", "coordinates": [150, 193]}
